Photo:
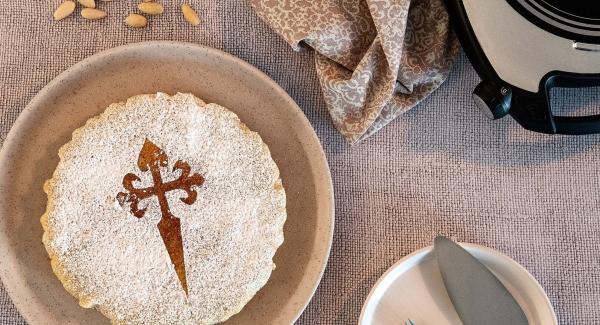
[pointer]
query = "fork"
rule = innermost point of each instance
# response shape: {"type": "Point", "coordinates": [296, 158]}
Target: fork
{"type": "Point", "coordinates": [409, 322]}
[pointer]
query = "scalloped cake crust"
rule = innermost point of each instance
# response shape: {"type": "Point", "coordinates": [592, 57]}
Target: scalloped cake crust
{"type": "Point", "coordinates": [117, 263]}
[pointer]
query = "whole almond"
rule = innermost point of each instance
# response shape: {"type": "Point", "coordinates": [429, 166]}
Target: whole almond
{"type": "Point", "coordinates": [190, 15]}
{"type": "Point", "coordinates": [92, 14]}
{"type": "Point", "coordinates": [64, 10]}
{"type": "Point", "coordinates": [88, 3]}
{"type": "Point", "coordinates": [136, 21]}
{"type": "Point", "coordinates": [151, 8]}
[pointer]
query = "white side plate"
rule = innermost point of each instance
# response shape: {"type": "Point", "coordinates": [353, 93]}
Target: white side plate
{"type": "Point", "coordinates": [413, 289]}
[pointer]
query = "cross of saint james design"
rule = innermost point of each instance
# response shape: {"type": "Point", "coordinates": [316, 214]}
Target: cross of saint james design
{"type": "Point", "coordinates": [152, 158]}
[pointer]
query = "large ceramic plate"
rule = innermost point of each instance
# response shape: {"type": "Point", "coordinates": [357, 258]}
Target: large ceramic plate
{"type": "Point", "coordinates": [413, 289]}
{"type": "Point", "coordinates": [29, 156]}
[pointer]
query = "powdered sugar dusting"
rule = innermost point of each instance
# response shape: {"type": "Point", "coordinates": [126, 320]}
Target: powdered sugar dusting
{"type": "Point", "coordinates": [116, 262]}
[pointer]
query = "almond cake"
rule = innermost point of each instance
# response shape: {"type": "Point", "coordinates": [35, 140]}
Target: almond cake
{"type": "Point", "coordinates": [164, 210]}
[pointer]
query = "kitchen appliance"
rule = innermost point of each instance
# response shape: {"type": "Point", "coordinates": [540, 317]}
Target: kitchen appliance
{"type": "Point", "coordinates": [523, 48]}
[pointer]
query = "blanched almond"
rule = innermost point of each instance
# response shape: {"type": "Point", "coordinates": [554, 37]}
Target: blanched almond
{"type": "Point", "coordinates": [88, 3]}
{"type": "Point", "coordinates": [190, 15]}
{"type": "Point", "coordinates": [136, 21]}
{"type": "Point", "coordinates": [151, 8]}
{"type": "Point", "coordinates": [93, 14]}
{"type": "Point", "coordinates": [64, 10]}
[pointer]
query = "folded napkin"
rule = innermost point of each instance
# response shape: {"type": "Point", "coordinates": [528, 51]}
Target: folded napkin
{"type": "Point", "coordinates": [375, 59]}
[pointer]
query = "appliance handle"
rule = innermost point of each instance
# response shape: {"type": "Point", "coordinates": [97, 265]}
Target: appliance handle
{"type": "Point", "coordinates": [577, 125]}
{"type": "Point", "coordinates": [573, 125]}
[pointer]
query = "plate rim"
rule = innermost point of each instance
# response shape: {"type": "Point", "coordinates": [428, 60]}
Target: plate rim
{"type": "Point", "coordinates": [315, 143]}
{"type": "Point", "coordinates": [471, 247]}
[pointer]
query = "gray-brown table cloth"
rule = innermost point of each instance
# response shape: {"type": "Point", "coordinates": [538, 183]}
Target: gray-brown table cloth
{"type": "Point", "coordinates": [441, 168]}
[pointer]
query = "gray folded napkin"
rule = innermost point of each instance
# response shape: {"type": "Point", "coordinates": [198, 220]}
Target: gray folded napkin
{"type": "Point", "coordinates": [375, 59]}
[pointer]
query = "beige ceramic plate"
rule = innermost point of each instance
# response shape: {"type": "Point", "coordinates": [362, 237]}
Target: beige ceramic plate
{"type": "Point", "coordinates": [29, 156]}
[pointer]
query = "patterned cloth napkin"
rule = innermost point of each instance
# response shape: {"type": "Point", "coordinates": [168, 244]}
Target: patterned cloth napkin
{"type": "Point", "coordinates": [375, 59]}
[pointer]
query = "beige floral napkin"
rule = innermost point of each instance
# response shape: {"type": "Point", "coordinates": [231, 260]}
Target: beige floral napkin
{"type": "Point", "coordinates": [375, 58]}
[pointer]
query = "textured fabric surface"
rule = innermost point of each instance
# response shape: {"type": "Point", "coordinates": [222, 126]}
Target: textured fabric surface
{"type": "Point", "coordinates": [375, 59]}
{"type": "Point", "coordinates": [441, 168]}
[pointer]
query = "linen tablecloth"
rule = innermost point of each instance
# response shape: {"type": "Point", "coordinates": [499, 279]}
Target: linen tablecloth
{"type": "Point", "coordinates": [441, 168]}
